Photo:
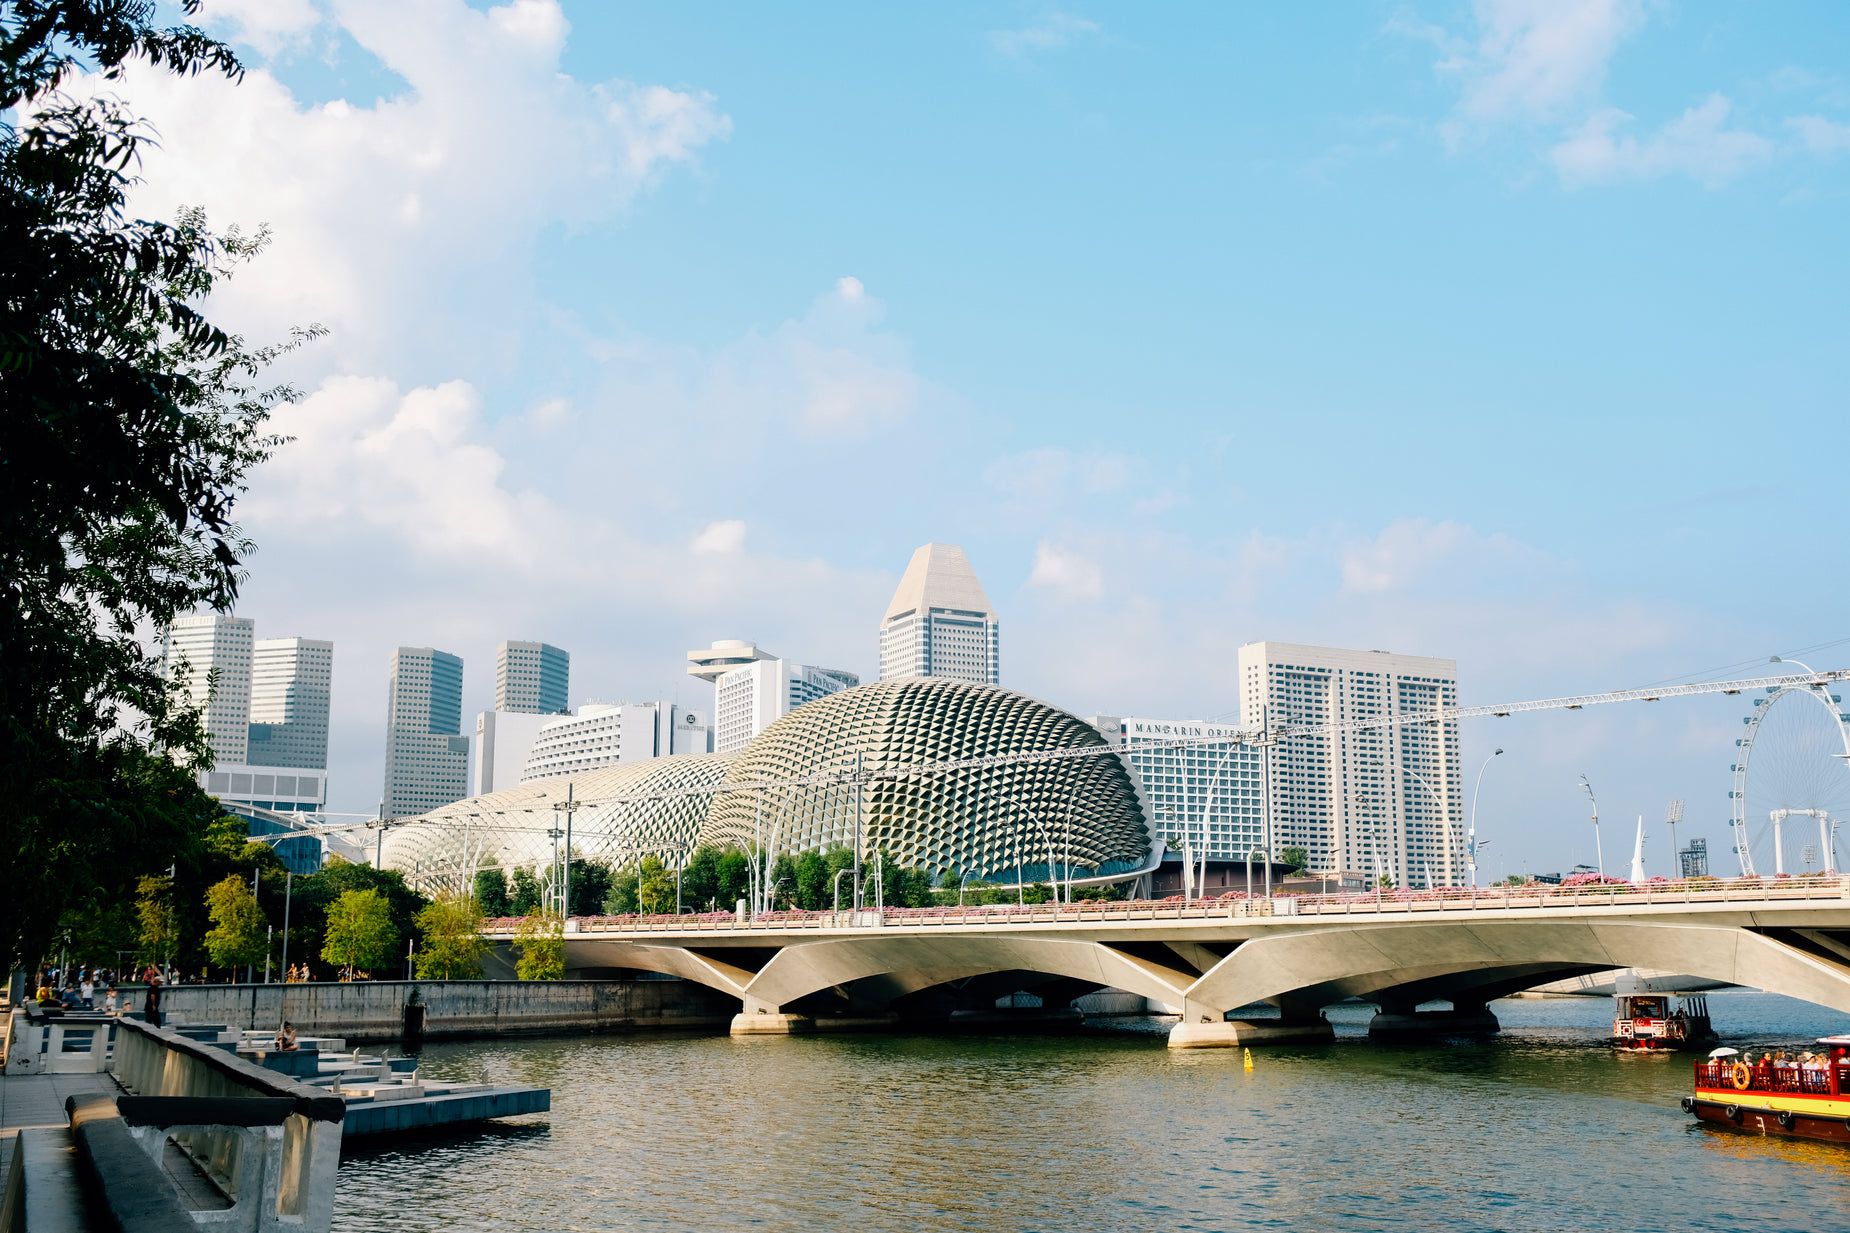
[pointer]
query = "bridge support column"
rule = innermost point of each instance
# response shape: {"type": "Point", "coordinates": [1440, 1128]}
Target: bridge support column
{"type": "Point", "coordinates": [1403, 1022]}
{"type": "Point", "coordinates": [1203, 1028]}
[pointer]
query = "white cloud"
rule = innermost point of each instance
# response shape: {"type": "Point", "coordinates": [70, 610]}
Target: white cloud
{"type": "Point", "coordinates": [1400, 554]}
{"type": "Point", "coordinates": [267, 25]}
{"type": "Point", "coordinates": [368, 457]}
{"type": "Point", "coordinates": [1821, 136]}
{"type": "Point", "coordinates": [1532, 59]}
{"type": "Point", "coordinates": [1697, 144]}
{"type": "Point", "coordinates": [1066, 573]}
{"type": "Point", "coordinates": [832, 374]}
{"type": "Point", "coordinates": [725, 536]}
{"type": "Point", "coordinates": [402, 222]}
{"type": "Point", "coordinates": [1052, 32]}
{"type": "Point", "coordinates": [1050, 474]}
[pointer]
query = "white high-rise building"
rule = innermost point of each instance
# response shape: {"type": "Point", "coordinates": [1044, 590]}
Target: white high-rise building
{"type": "Point", "coordinates": [940, 622]}
{"type": "Point", "coordinates": [209, 643]}
{"type": "Point", "coordinates": [267, 718]}
{"type": "Point", "coordinates": [1202, 794]}
{"type": "Point", "coordinates": [606, 734]}
{"type": "Point", "coordinates": [531, 677]}
{"type": "Point", "coordinates": [747, 699]}
{"type": "Point", "coordinates": [291, 686]}
{"type": "Point", "coordinates": [503, 739]}
{"type": "Point", "coordinates": [426, 754]}
{"type": "Point", "coordinates": [1389, 801]}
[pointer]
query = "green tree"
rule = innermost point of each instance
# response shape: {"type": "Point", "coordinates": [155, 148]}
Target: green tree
{"type": "Point", "coordinates": [784, 889]}
{"type": "Point", "coordinates": [316, 895]}
{"type": "Point", "coordinates": [238, 937]}
{"type": "Point", "coordinates": [491, 892]}
{"type": "Point", "coordinates": [360, 933]}
{"type": "Point", "coordinates": [524, 894]}
{"type": "Point", "coordinates": [131, 425]}
{"type": "Point", "coordinates": [540, 941]}
{"type": "Point", "coordinates": [453, 944]}
{"type": "Point", "coordinates": [812, 879]}
{"type": "Point", "coordinates": [591, 882]}
{"type": "Point", "coordinates": [159, 934]}
{"type": "Point", "coordinates": [1297, 858]}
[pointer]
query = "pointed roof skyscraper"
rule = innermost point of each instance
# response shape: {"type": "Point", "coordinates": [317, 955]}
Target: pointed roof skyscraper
{"type": "Point", "coordinates": [940, 622]}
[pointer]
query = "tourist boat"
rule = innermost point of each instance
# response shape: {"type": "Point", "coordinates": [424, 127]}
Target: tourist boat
{"type": "Point", "coordinates": [1807, 1097]}
{"type": "Point", "coordinates": [1651, 1022]}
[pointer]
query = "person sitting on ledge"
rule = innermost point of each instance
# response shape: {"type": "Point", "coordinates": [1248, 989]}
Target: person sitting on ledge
{"type": "Point", "coordinates": [285, 1036]}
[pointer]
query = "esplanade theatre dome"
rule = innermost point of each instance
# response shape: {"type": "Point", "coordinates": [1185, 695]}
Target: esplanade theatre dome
{"type": "Point", "coordinates": [996, 822]}
{"type": "Point", "coordinates": [609, 824]}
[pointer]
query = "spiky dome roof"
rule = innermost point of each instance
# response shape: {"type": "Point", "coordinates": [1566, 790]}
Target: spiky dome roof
{"type": "Point", "coordinates": [983, 821]}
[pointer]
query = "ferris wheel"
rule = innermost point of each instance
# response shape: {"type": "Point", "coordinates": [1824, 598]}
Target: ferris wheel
{"type": "Point", "coordinates": [1787, 811]}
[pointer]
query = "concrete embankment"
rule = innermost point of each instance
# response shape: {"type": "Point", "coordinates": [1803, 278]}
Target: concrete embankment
{"type": "Point", "coordinates": [454, 1009]}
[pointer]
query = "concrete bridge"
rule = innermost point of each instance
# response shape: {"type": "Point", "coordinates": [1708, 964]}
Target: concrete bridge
{"type": "Point", "coordinates": [823, 971]}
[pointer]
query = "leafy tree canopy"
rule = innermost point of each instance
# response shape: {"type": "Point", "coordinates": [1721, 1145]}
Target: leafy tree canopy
{"type": "Point", "coordinates": [131, 424]}
{"type": "Point", "coordinates": [453, 944]}
{"type": "Point", "coordinates": [238, 937]}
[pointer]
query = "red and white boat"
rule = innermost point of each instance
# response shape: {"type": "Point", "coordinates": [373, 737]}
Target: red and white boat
{"type": "Point", "coordinates": [1650, 1022]}
{"type": "Point", "coordinates": [1774, 1093]}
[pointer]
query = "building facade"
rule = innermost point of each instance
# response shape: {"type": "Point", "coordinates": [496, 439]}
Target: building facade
{"type": "Point", "coordinates": [195, 648]}
{"type": "Point", "coordinates": [267, 713]}
{"type": "Point", "coordinates": [426, 754]}
{"type": "Point", "coordinates": [1200, 793]}
{"type": "Point", "coordinates": [292, 682]}
{"type": "Point", "coordinates": [1388, 800]}
{"type": "Point", "coordinates": [722, 657]}
{"type": "Point", "coordinates": [746, 700]}
{"type": "Point", "coordinates": [608, 734]}
{"type": "Point", "coordinates": [503, 741]}
{"type": "Point", "coordinates": [940, 622]}
{"type": "Point", "coordinates": [532, 678]}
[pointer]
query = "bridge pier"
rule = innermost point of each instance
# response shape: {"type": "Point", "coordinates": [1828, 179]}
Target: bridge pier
{"type": "Point", "coordinates": [1400, 1022]}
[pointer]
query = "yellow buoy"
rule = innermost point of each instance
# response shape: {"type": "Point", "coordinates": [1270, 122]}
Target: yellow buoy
{"type": "Point", "coordinates": [1249, 1059]}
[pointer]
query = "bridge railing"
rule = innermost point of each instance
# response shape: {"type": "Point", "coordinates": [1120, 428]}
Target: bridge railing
{"type": "Point", "coordinates": [1236, 905]}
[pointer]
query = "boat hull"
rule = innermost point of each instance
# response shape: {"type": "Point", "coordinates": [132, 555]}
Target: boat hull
{"type": "Point", "coordinates": [1757, 1118]}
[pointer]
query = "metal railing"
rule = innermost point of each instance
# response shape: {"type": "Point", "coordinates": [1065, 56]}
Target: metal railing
{"type": "Point", "coordinates": [1236, 905]}
{"type": "Point", "coordinates": [1779, 1078]}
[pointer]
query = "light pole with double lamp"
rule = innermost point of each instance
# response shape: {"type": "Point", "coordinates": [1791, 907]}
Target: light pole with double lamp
{"type": "Point", "coordinates": [1471, 843]}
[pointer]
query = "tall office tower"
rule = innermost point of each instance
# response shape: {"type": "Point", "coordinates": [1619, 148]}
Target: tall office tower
{"type": "Point", "coordinates": [940, 622]}
{"type": "Point", "coordinates": [208, 643]}
{"type": "Point", "coordinates": [426, 754]}
{"type": "Point", "coordinates": [747, 699]}
{"type": "Point", "coordinates": [291, 682]}
{"type": "Point", "coordinates": [606, 734]}
{"type": "Point", "coordinates": [1203, 793]}
{"type": "Point", "coordinates": [531, 677]}
{"type": "Point", "coordinates": [1389, 801]}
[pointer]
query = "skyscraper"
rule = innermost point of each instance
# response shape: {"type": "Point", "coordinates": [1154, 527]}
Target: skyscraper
{"type": "Point", "coordinates": [747, 699]}
{"type": "Point", "coordinates": [267, 716]}
{"type": "Point", "coordinates": [426, 755]}
{"type": "Point", "coordinates": [291, 682]}
{"type": "Point", "coordinates": [531, 677]}
{"type": "Point", "coordinates": [207, 643]}
{"type": "Point", "coordinates": [1388, 801]}
{"type": "Point", "coordinates": [940, 622]}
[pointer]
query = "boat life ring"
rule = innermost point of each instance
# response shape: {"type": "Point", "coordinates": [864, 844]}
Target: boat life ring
{"type": "Point", "coordinates": [1785, 1119]}
{"type": "Point", "coordinates": [1739, 1076]}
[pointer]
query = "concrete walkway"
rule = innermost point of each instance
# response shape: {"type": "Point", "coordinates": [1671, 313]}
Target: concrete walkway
{"type": "Point", "coordinates": [27, 1101]}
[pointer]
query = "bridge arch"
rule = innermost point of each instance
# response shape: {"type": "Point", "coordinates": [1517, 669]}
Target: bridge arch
{"type": "Point", "coordinates": [1482, 959]}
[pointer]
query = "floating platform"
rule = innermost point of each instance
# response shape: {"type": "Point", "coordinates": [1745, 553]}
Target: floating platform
{"type": "Point", "coordinates": [439, 1105]}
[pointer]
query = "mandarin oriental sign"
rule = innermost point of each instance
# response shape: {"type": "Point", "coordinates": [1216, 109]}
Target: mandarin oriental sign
{"type": "Point", "coordinates": [1167, 729]}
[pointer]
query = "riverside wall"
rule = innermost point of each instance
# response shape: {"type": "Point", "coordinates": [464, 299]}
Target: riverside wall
{"type": "Point", "coordinates": [453, 1009]}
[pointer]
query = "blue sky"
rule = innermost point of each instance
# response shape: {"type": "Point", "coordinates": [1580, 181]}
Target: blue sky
{"type": "Point", "coordinates": [1510, 332]}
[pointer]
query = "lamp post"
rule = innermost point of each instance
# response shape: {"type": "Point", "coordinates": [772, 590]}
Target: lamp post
{"type": "Point", "coordinates": [1599, 850]}
{"type": "Point", "coordinates": [1471, 844]}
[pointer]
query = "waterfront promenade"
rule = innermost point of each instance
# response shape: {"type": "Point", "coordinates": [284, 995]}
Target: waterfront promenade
{"type": "Point", "coordinates": [1204, 959]}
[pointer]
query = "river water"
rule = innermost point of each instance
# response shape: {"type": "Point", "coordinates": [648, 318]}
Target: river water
{"type": "Point", "coordinates": [1540, 1128]}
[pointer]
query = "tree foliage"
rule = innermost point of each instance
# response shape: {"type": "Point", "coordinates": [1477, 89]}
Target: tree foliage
{"type": "Point", "coordinates": [453, 945]}
{"type": "Point", "coordinates": [491, 892]}
{"type": "Point", "coordinates": [524, 892]}
{"type": "Point", "coordinates": [159, 934]}
{"type": "Point", "coordinates": [238, 937]}
{"type": "Point", "coordinates": [540, 941]}
{"type": "Point", "coordinates": [360, 932]}
{"type": "Point", "coordinates": [1297, 858]}
{"type": "Point", "coordinates": [131, 424]}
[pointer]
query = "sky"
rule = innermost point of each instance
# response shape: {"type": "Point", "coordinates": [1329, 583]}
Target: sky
{"type": "Point", "coordinates": [1511, 332]}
